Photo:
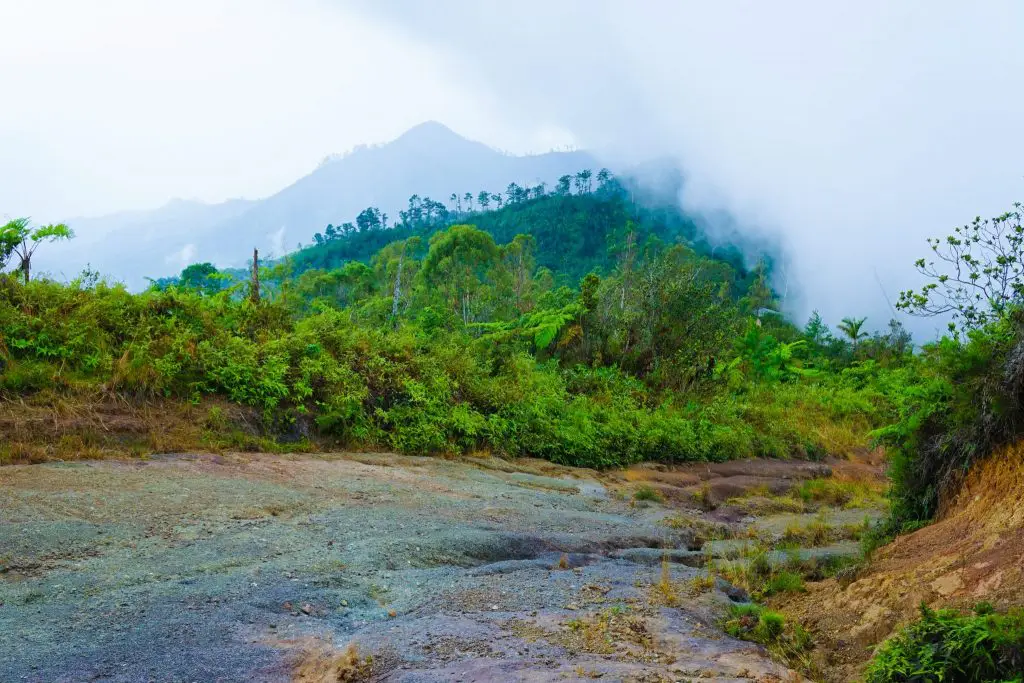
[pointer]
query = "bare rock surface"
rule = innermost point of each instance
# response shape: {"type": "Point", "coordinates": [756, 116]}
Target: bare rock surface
{"type": "Point", "coordinates": [227, 568]}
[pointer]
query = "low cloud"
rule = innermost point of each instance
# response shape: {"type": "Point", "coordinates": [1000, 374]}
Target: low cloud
{"type": "Point", "coordinates": [847, 131]}
{"type": "Point", "coordinates": [183, 257]}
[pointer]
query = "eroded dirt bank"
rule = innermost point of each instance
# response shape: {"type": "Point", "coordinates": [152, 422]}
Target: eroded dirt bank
{"type": "Point", "coordinates": [973, 553]}
{"type": "Point", "coordinates": [225, 568]}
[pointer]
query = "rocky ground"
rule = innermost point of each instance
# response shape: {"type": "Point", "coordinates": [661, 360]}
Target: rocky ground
{"type": "Point", "coordinates": [381, 567]}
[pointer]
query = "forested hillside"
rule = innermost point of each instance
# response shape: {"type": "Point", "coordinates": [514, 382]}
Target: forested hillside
{"type": "Point", "coordinates": [577, 225]}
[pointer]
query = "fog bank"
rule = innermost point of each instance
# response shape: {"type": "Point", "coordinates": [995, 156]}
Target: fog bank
{"type": "Point", "coordinates": [852, 130]}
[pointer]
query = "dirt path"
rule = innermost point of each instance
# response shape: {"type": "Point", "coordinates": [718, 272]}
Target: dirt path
{"type": "Point", "coordinates": [226, 568]}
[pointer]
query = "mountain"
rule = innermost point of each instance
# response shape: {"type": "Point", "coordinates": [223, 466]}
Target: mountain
{"type": "Point", "coordinates": [429, 160]}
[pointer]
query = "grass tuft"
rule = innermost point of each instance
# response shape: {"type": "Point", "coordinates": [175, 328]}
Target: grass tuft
{"type": "Point", "coordinates": [649, 494]}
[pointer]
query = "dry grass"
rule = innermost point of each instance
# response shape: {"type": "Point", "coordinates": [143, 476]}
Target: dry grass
{"type": "Point", "coordinates": [704, 497]}
{"type": "Point", "coordinates": [814, 534]}
{"type": "Point", "coordinates": [664, 592]}
{"type": "Point", "coordinates": [840, 491]}
{"type": "Point", "coordinates": [88, 426]}
{"type": "Point", "coordinates": [322, 663]}
{"type": "Point", "coordinates": [702, 583]}
{"type": "Point", "coordinates": [756, 504]}
{"type": "Point", "coordinates": [604, 632]}
{"type": "Point", "coordinates": [648, 493]}
{"type": "Point", "coordinates": [702, 528]}
{"type": "Point", "coordinates": [612, 631]}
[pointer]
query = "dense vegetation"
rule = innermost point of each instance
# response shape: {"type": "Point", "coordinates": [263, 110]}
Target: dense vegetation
{"type": "Point", "coordinates": [450, 340]}
{"type": "Point", "coordinates": [966, 399]}
{"type": "Point", "coordinates": [948, 646]}
{"type": "Point", "coordinates": [574, 232]}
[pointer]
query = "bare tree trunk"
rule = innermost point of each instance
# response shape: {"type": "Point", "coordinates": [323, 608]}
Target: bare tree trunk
{"type": "Point", "coordinates": [26, 259]}
{"type": "Point", "coordinates": [627, 268]}
{"type": "Point", "coordinates": [254, 287]}
{"type": "Point", "coordinates": [398, 286]}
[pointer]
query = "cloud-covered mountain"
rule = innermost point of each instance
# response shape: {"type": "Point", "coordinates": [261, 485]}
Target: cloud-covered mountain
{"type": "Point", "coordinates": [429, 160]}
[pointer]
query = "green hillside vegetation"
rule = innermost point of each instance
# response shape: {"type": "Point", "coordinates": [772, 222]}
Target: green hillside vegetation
{"type": "Point", "coordinates": [575, 226]}
{"type": "Point", "coordinates": [449, 340]}
{"type": "Point", "coordinates": [623, 339]}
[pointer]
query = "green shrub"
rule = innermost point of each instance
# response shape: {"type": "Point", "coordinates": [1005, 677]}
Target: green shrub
{"type": "Point", "coordinates": [751, 621]}
{"type": "Point", "coordinates": [946, 645]}
{"type": "Point", "coordinates": [647, 493]}
{"type": "Point", "coordinates": [770, 626]}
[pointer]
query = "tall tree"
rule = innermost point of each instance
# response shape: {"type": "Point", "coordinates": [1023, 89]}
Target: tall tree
{"type": "Point", "coordinates": [518, 257]}
{"type": "Point", "coordinates": [760, 295]}
{"type": "Point", "coordinates": [513, 192]}
{"type": "Point", "coordinates": [369, 219]}
{"type": "Point", "coordinates": [563, 187]}
{"type": "Point", "coordinates": [582, 181]}
{"type": "Point", "coordinates": [9, 239]}
{"type": "Point", "coordinates": [203, 277]}
{"type": "Point", "coordinates": [396, 266]}
{"type": "Point", "coordinates": [484, 199]}
{"type": "Point", "coordinates": [469, 201]}
{"type": "Point", "coordinates": [623, 245]}
{"type": "Point", "coordinates": [457, 265]}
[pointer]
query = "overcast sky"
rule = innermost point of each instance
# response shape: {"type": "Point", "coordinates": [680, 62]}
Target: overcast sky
{"type": "Point", "coordinates": [117, 104]}
{"type": "Point", "coordinates": [852, 129]}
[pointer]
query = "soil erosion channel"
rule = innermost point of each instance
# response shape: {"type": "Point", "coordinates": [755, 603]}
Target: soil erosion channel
{"type": "Point", "coordinates": [235, 568]}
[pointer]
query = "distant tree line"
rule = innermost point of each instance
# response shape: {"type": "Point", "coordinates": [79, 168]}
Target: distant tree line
{"type": "Point", "coordinates": [424, 213]}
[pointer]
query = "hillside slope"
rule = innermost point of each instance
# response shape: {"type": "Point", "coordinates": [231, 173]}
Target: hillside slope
{"type": "Point", "coordinates": [575, 233]}
{"type": "Point", "coordinates": [428, 160]}
{"type": "Point", "coordinates": [970, 555]}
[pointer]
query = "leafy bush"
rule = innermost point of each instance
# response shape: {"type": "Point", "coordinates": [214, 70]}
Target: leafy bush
{"type": "Point", "coordinates": [751, 621]}
{"type": "Point", "coordinates": [946, 645]}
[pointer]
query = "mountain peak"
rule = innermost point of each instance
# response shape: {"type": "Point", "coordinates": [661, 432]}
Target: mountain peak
{"type": "Point", "coordinates": [432, 128]}
{"type": "Point", "coordinates": [431, 135]}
